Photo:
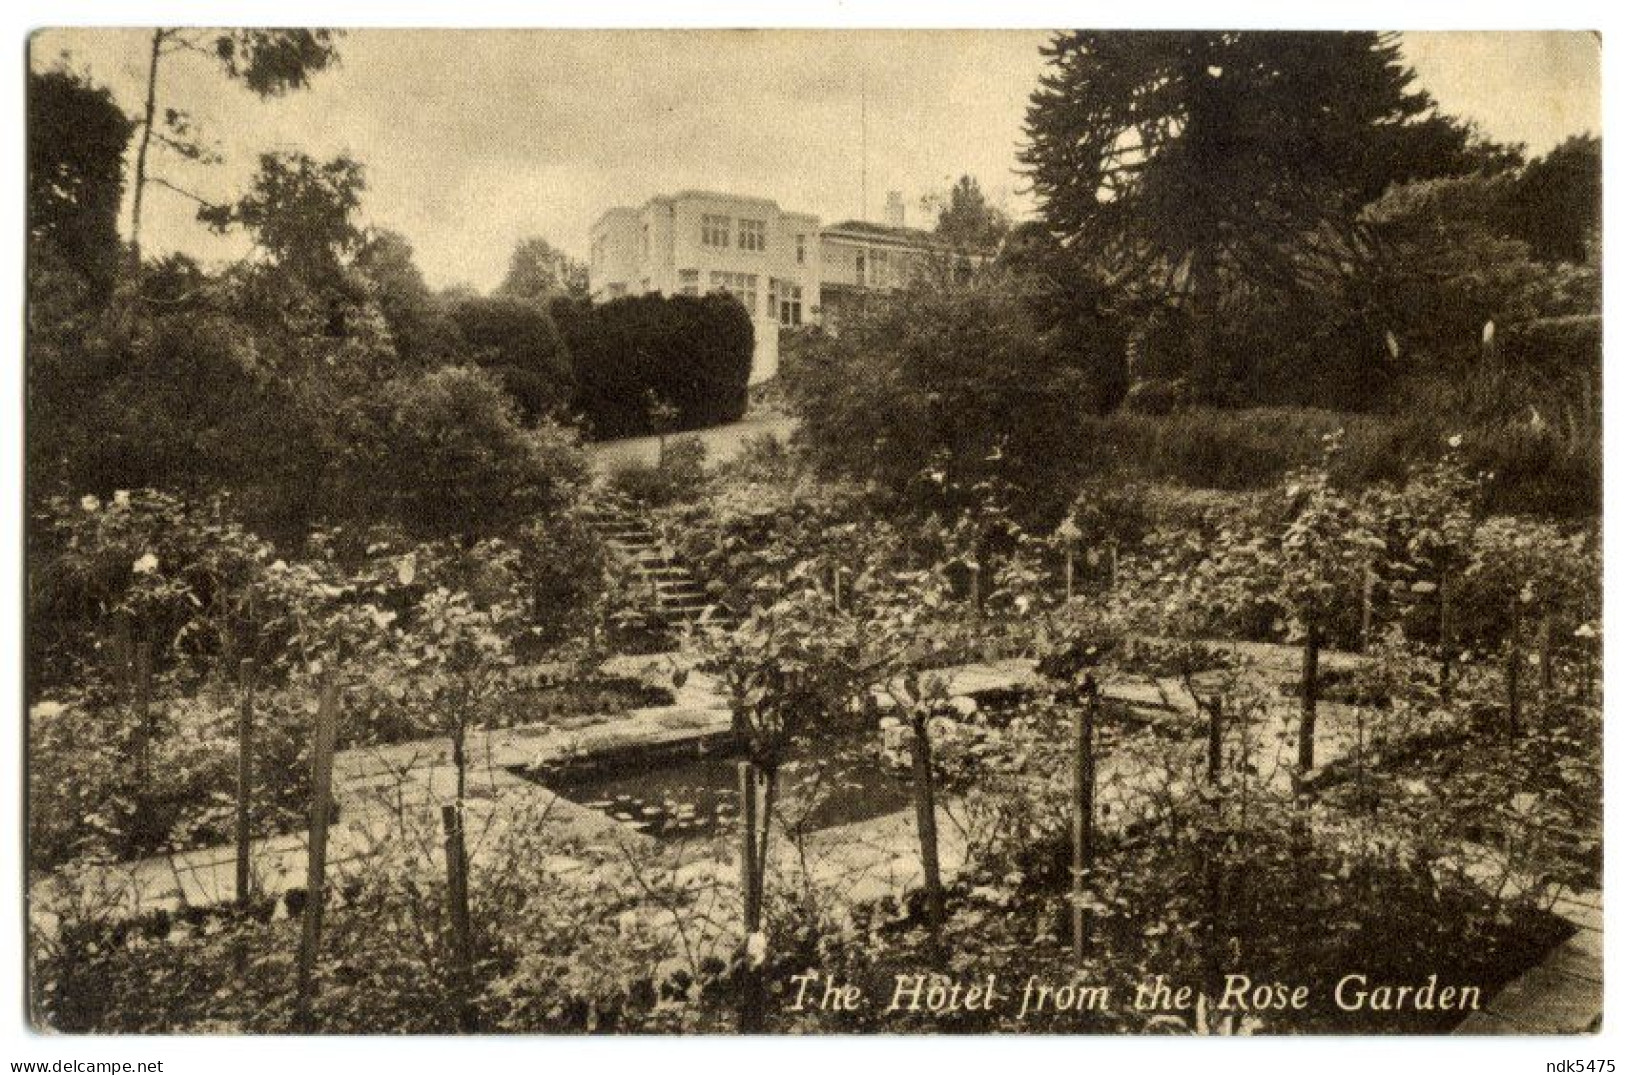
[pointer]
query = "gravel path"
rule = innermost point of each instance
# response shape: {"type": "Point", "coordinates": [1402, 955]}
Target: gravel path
{"type": "Point", "coordinates": [722, 443]}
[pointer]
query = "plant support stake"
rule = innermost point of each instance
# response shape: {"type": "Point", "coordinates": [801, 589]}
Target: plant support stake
{"type": "Point", "coordinates": [245, 775]}
{"type": "Point", "coordinates": [1311, 696]}
{"type": "Point", "coordinates": [751, 1015]}
{"type": "Point", "coordinates": [1083, 813]}
{"type": "Point", "coordinates": [321, 800]}
{"type": "Point", "coordinates": [462, 933]}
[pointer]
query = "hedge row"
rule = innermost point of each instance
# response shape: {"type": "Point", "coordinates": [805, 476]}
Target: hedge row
{"type": "Point", "coordinates": [1545, 470]}
{"type": "Point", "coordinates": [690, 354]}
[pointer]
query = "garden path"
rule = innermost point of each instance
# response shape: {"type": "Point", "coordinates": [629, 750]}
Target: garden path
{"type": "Point", "coordinates": [722, 443]}
{"type": "Point", "coordinates": [381, 792]}
{"type": "Point", "coordinates": [1563, 993]}
{"type": "Point", "coordinates": [377, 788]}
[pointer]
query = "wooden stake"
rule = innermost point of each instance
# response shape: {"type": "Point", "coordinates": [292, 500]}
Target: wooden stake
{"type": "Point", "coordinates": [245, 775]}
{"type": "Point", "coordinates": [1083, 813]}
{"type": "Point", "coordinates": [145, 821]}
{"type": "Point", "coordinates": [925, 820]}
{"type": "Point", "coordinates": [143, 712]}
{"type": "Point", "coordinates": [1514, 659]}
{"type": "Point", "coordinates": [1311, 697]}
{"type": "Point", "coordinates": [1069, 572]}
{"type": "Point", "coordinates": [1367, 598]}
{"type": "Point", "coordinates": [750, 995]}
{"type": "Point", "coordinates": [321, 795]}
{"type": "Point", "coordinates": [1447, 657]}
{"type": "Point", "coordinates": [1215, 739]}
{"type": "Point", "coordinates": [462, 933]}
{"type": "Point", "coordinates": [747, 846]}
{"type": "Point", "coordinates": [1545, 643]}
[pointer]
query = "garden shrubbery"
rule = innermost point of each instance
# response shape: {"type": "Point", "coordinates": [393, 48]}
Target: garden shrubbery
{"type": "Point", "coordinates": [443, 453]}
{"type": "Point", "coordinates": [1537, 469]}
{"type": "Point", "coordinates": [692, 355]}
{"type": "Point", "coordinates": [517, 341]}
{"type": "Point", "coordinates": [600, 948]}
{"type": "Point", "coordinates": [145, 606]}
{"type": "Point", "coordinates": [678, 475]}
{"type": "Point", "coordinates": [942, 386]}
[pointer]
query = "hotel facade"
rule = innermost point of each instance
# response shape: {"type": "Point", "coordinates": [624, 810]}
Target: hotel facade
{"type": "Point", "coordinates": [784, 267]}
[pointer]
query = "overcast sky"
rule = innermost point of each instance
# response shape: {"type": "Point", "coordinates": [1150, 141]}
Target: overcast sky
{"type": "Point", "coordinates": [472, 140]}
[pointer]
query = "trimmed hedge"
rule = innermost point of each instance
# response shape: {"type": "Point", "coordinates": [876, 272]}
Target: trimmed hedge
{"type": "Point", "coordinates": [693, 354]}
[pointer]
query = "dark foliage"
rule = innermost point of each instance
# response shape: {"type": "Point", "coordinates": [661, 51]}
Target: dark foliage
{"type": "Point", "coordinates": [1070, 302]}
{"type": "Point", "coordinates": [540, 272]}
{"type": "Point", "coordinates": [942, 387]}
{"type": "Point", "coordinates": [1220, 153]}
{"type": "Point", "coordinates": [967, 221]}
{"type": "Point", "coordinates": [299, 211]}
{"type": "Point", "coordinates": [76, 140]}
{"type": "Point", "coordinates": [1217, 178]}
{"type": "Point", "coordinates": [442, 454]}
{"type": "Point", "coordinates": [690, 354]}
{"type": "Point", "coordinates": [1557, 204]}
{"type": "Point", "coordinates": [272, 63]}
{"type": "Point", "coordinates": [516, 340]}
{"type": "Point", "coordinates": [421, 330]}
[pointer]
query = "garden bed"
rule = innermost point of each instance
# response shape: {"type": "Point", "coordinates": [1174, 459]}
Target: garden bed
{"type": "Point", "coordinates": [1296, 923]}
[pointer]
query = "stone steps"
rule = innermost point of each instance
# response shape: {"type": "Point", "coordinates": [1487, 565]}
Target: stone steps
{"type": "Point", "coordinates": [676, 596]}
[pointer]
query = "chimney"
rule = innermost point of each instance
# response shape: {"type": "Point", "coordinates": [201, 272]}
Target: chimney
{"type": "Point", "coordinates": [894, 208]}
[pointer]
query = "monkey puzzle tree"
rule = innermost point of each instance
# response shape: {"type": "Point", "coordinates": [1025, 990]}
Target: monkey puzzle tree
{"type": "Point", "coordinates": [1204, 167]}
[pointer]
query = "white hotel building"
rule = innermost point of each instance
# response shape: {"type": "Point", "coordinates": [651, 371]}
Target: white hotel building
{"type": "Point", "coordinates": [784, 267]}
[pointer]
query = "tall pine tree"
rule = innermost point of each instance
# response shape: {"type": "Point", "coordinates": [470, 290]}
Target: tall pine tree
{"type": "Point", "coordinates": [1197, 167]}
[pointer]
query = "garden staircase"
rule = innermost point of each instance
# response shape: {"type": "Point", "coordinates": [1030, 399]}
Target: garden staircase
{"type": "Point", "coordinates": [674, 594]}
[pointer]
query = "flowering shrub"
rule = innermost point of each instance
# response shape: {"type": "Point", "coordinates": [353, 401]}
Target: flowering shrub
{"type": "Point", "coordinates": [744, 540]}
{"type": "Point", "coordinates": [130, 759]}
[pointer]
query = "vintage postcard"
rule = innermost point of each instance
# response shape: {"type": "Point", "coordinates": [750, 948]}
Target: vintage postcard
{"type": "Point", "coordinates": [829, 531]}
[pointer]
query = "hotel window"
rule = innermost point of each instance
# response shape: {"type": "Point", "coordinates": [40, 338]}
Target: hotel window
{"type": "Point", "coordinates": [860, 269]}
{"type": "Point", "coordinates": [878, 275]}
{"type": "Point", "coordinates": [714, 230]}
{"type": "Point", "coordinates": [740, 285]}
{"type": "Point", "coordinates": [689, 281]}
{"type": "Point", "coordinates": [801, 250]}
{"type": "Point", "coordinates": [753, 235]}
{"type": "Point", "coordinates": [790, 304]}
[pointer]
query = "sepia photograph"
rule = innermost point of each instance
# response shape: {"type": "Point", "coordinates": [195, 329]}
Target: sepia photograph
{"type": "Point", "coordinates": [828, 531]}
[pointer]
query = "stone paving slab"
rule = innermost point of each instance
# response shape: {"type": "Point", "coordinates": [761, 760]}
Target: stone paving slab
{"type": "Point", "coordinates": [1485, 1023]}
{"type": "Point", "coordinates": [1581, 912]}
{"type": "Point", "coordinates": [1574, 961]}
{"type": "Point", "coordinates": [1589, 942]}
{"type": "Point", "coordinates": [373, 785]}
{"type": "Point", "coordinates": [1547, 1001]}
{"type": "Point", "coordinates": [1563, 993]}
{"type": "Point", "coordinates": [861, 861]}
